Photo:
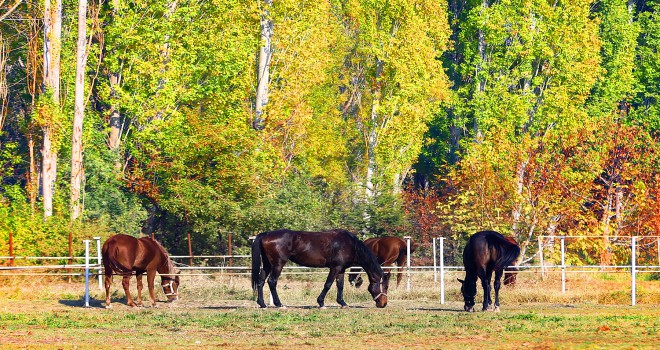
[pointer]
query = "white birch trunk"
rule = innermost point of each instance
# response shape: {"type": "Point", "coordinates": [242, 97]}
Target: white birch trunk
{"type": "Point", "coordinates": [263, 69]}
{"type": "Point", "coordinates": [52, 49]}
{"type": "Point", "coordinates": [79, 112]}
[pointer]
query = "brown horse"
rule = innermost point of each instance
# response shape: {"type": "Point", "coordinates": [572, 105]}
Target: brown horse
{"type": "Point", "coordinates": [123, 255]}
{"type": "Point", "coordinates": [336, 250]}
{"type": "Point", "coordinates": [486, 252]}
{"type": "Point", "coordinates": [388, 251]}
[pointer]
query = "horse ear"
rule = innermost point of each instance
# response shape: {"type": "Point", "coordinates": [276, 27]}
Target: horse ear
{"type": "Point", "coordinates": [460, 280]}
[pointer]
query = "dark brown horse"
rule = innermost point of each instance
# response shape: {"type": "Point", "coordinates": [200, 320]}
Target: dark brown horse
{"type": "Point", "coordinates": [486, 252]}
{"type": "Point", "coordinates": [388, 251]}
{"type": "Point", "coordinates": [336, 250]}
{"type": "Point", "coordinates": [123, 255]}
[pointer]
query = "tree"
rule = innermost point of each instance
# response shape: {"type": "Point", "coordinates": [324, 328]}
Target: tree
{"type": "Point", "coordinates": [79, 112]}
{"type": "Point", "coordinates": [394, 83]}
{"type": "Point", "coordinates": [264, 62]}
{"type": "Point", "coordinates": [50, 110]}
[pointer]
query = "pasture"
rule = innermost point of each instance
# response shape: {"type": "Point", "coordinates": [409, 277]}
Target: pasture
{"type": "Point", "coordinates": [219, 312]}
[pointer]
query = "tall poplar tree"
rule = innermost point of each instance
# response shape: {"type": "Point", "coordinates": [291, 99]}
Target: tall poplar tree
{"type": "Point", "coordinates": [394, 84]}
{"type": "Point", "coordinates": [79, 112]}
{"type": "Point", "coordinates": [51, 109]}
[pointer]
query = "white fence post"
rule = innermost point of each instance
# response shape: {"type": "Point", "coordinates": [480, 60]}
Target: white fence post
{"type": "Point", "coordinates": [407, 263]}
{"type": "Point", "coordinates": [86, 272]}
{"type": "Point", "coordinates": [634, 271]}
{"type": "Point", "coordinates": [98, 260]}
{"type": "Point", "coordinates": [442, 270]}
{"type": "Point", "coordinates": [563, 266]}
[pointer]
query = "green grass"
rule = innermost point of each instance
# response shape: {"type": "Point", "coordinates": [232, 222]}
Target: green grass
{"type": "Point", "coordinates": [213, 313]}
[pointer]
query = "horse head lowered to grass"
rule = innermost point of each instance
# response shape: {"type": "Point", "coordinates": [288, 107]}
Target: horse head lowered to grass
{"type": "Point", "coordinates": [125, 255]}
{"type": "Point", "coordinates": [486, 252]}
{"type": "Point", "coordinates": [336, 250]}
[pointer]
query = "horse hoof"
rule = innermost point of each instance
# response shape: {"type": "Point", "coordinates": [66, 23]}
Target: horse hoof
{"type": "Point", "coordinates": [496, 309]}
{"type": "Point", "coordinates": [108, 306]}
{"type": "Point", "coordinates": [322, 308]}
{"type": "Point", "coordinates": [345, 307]}
{"type": "Point", "coordinates": [282, 307]}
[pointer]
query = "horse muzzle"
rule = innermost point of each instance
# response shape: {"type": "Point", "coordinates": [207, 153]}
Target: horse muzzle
{"type": "Point", "coordinates": [381, 300]}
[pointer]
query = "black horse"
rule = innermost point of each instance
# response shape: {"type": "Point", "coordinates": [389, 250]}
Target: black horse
{"type": "Point", "coordinates": [485, 252]}
{"type": "Point", "coordinates": [336, 249]}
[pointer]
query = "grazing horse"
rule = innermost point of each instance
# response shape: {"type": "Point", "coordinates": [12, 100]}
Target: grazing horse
{"type": "Point", "coordinates": [336, 250]}
{"type": "Point", "coordinates": [388, 251]}
{"type": "Point", "coordinates": [123, 255]}
{"type": "Point", "coordinates": [485, 252]}
{"type": "Point", "coordinates": [511, 275]}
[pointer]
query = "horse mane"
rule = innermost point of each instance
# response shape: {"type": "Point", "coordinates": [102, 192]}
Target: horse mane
{"type": "Point", "coordinates": [364, 254]}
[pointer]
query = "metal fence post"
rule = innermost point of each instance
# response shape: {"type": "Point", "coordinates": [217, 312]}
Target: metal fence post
{"type": "Point", "coordinates": [442, 270]}
{"type": "Point", "coordinates": [86, 272]}
{"type": "Point", "coordinates": [634, 271]}
{"type": "Point", "coordinates": [540, 240]}
{"type": "Point", "coordinates": [563, 266]}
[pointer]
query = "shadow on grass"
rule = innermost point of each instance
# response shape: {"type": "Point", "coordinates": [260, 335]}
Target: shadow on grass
{"type": "Point", "coordinates": [434, 309]}
{"type": "Point", "coordinates": [295, 307]}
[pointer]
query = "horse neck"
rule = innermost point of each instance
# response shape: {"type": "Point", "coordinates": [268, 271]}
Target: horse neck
{"type": "Point", "coordinates": [165, 266]}
{"type": "Point", "coordinates": [375, 275]}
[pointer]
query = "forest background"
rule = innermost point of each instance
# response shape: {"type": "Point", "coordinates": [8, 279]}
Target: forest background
{"type": "Point", "coordinates": [221, 118]}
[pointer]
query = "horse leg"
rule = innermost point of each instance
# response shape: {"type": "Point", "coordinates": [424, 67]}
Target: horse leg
{"type": "Point", "coordinates": [340, 290]}
{"type": "Point", "coordinates": [108, 282]}
{"type": "Point", "coordinates": [326, 287]}
{"type": "Point", "coordinates": [125, 282]}
{"type": "Point", "coordinates": [138, 277]}
{"type": "Point", "coordinates": [400, 261]}
{"type": "Point", "coordinates": [485, 284]}
{"type": "Point", "coordinates": [151, 276]}
{"type": "Point", "coordinates": [260, 284]}
{"type": "Point", "coordinates": [272, 284]}
{"type": "Point", "coordinates": [496, 284]}
{"type": "Point", "coordinates": [354, 277]}
{"type": "Point", "coordinates": [489, 276]}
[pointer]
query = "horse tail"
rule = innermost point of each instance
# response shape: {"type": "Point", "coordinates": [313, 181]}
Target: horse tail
{"type": "Point", "coordinates": [400, 260]}
{"type": "Point", "coordinates": [256, 261]}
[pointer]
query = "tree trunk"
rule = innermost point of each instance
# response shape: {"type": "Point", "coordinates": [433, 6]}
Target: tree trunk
{"type": "Point", "coordinates": [606, 252]}
{"type": "Point", "coordinates": [52, 49]}
{"type": "Point", "coordinates": [518, 205]}
{"type": "Point", "coordinates": [263, 69]}
{"type": "Point", "coordinates": [114, 139]}
{"type": "Point", "coordinates": [480, 83]}
{"type": "Point", "coordinates": [4, 89]}
{"type": "Point", "coordinates": [33, 178]}
{"type": "Point", "coordinates": [79, 112]}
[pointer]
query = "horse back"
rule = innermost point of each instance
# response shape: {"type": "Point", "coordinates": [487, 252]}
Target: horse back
{"type": "Point", "coordinates": [312, 249]}
{"type": "Point", "coordinates": [123, 253]}
{"type": "Point", "coordinates": [490, 249]}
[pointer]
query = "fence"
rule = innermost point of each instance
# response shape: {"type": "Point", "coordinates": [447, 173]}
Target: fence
{"type": "Point", "coordinates": [439, 268]}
